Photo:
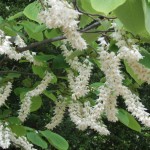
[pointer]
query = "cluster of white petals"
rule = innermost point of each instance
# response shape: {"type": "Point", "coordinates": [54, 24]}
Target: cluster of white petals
{"type": "Point", "coordinates": [26, 104]}
{"type": "Point", "coordinates": [21, 142]}
{"type": "Point", "coordinates": [4, 136]}
{"type": "Point", "coordinates": [129, 51]}
{"type": "Point", "coordinates": [60, 14]}
{"type": "Point", "coordinates": [6, 48]}
{"type": "Point", "coordinates": [83, 118]}
{"type": "Point", "coordinates": [78, 84]}
{"type": "Point", "coordinates": [5, 92]}
{"type": "Point", "coordinates": [58, 115]}
{"type": "Point", "coordinates": [110, 65]}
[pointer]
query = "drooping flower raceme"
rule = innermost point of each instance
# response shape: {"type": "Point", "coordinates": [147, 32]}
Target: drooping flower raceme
{"type": "Point", "coordinates": [6, 48]}
{"type": "Point", "coordinates": [26, 104]}
{"type": "Point", "coordinates": [78, 84]}
{"type": "Point", "coordinates": [5, 92]}
{"type": "Point", "coordinates": [4, 136]}
{"type": "Point", "coordinates": [129, 51]}
{"type": "Point", "coordinates": [60, 14]}
{"type": "Point", "coordinates": [58, 115]}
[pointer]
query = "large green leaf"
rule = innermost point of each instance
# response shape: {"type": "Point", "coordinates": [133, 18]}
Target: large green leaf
{"type": "Point", "coordinates": [86, 6]}
{"type": "Point", "coordinates": [32, 10]}
{"type": "Point", "coordinates": [146, 58]}
{"type": "Point", "coordinates": [132, 16]}
{"type": "Point", "coordinates": [132, 74]}
{"type": "Point", "coordinates": [56, 140]}
{"type": "Point", "coordinates": [36, 139]}
{"type": "Point", "coordinates": [146, 8]}
{"type": "Point", "coordinates": [128, 120]}
{"type": "Point", "coordinates": [106, 6]}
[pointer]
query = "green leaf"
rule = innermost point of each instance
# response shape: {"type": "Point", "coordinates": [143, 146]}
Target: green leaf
{"type": "Point", "coordinates": [36, 103]}
{"type": "Point", "coordinates": [43, 57]}
{"type": "Point", "coordinates": [96, 85]}
{"type": "Point", "coordinates": [18, 130]}
{"type": "Point", "coordinates": [86, 6]}
{"type": "Point", "coordinates": [146, 58]}
{"type": "Point", "coordinates": [132, 74]}
{"type": "Point", "coordinates": [85, 20]}
{"type": "Point", "coordinates": [50, 95]}
{"type": "Point", "coordinates": [59, 62]}
{"type": "Point", "coordinates": [34, 30]}
{"type": "Point", "coordinates": [19, 90]}
{"type": "Point", "coordinates": [19, 14]}
{"type": "Point", "coordinates": [56, 140]}
{"type": "Point", "coordinates": [32, 10]}
{"type": "Point", "coordinates": [128, 120]}
{"type": "Point", "coordinates": [13, 75]}
{"type": "Point", "coordinates": [106, 6]}
{"type": "Point", "coordinates": [36, 139]}
{"type": "Point", "coordinates": [27, 82]}
{"type": "Point", "coordinates": [76, 53]}
{"type": "Point", "coordinates": [38, 70]}
{"type": "Point", "coordinates": [132, 16]}
{"type": "Point", "coordinates": [14, 120]}
{"type": "Point", "coordinates": [51, 34]}
{"type": "Point", "coordinates": [90, 39]}
{"type": "Point", "coordinates": [146, 8]}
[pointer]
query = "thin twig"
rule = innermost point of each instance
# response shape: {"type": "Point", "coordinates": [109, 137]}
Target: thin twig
{"type": "Point", "coordinates": [58, 38]}
{"type": "Point", "coordinates": [20, 72]}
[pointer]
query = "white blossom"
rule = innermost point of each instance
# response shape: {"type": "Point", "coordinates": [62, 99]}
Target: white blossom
{"type": "Point", "coordinates": [60, 14]}
{"type": "Point", "coordinates": [4, 136]}
{"type": "Point", "coordinates": [21, 142]}
{"type": "Point", "coordinates": [26, 104]}
{"type": "Point", "coordinates": [78, 84]}
{"type": "Point", "coordinates": [5, 92]}
{"type": "Point", "coordinates": [58, 115]}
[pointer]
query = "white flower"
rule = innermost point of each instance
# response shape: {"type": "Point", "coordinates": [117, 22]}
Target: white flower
{"type": "Point", "coordinates": [5, 92]}
{"type": "Point", "coordinates": [26, 104]}
{"type": "Point", "coordinates": [58, 115]}
{"type": "Point", "coordinates": [4, 136]}
{"type": "Point", "coordinates": [60, 14]}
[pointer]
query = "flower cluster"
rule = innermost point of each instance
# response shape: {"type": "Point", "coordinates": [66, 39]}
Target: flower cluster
{"type": "Point", "coordinates": [4, 136]}
{"type": "Point", "coordinates": [6, 48]}
{"type": "Point", "coordinates": [58, 115]}
{"type": "Point", "coordinates": [83, 118]}
{"type": "Point", "coordinates": [5, 92]}
{"type": "Point", "coordinates": [78, 84]}
{"type": "Point", "coordinates": [60, 14]}
{"type": "Point", "coordinates": [26, 104]}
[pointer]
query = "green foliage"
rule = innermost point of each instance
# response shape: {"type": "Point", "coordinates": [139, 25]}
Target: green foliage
{"type": "Point", "coordinates": [134, 16]}
{"type": "Point", "coordinates": [106, 6]}
{"type": "Point", "coordinates": [36, 139]}
{"type": "Point", "coordinates": [32, 10]}
{"type": "Point", "coordinates": [128, 120]}
{"type": "Point", "coordinates": [56, 140]}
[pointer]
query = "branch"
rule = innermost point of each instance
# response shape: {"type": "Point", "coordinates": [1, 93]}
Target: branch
{"type": "Point", "coordinates": [36, 44]}
{"type": "Point", "coordinates": [25, 73]}
{"type": "Point", "coordinates": [58, 38]}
